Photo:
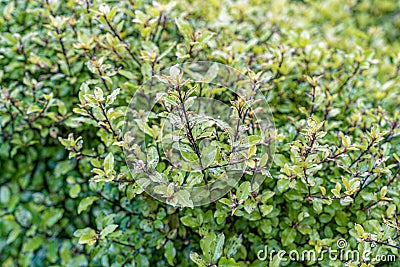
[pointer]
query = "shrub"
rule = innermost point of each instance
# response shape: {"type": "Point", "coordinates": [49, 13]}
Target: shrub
{"type": "Point", "coordinates": [69, 70]}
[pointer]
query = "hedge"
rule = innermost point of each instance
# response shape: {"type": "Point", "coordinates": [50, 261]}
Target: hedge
{"type": "Point", "coordinates": [73, 181]}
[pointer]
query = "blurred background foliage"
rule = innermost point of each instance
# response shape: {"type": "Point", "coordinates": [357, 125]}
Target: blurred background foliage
{"type": "Point", "coordinates": [335, 62]}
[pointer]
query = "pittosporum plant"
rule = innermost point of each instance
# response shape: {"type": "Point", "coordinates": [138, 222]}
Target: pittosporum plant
{"type": "Point", "coordinates": [108, 146]}
{"type": "Point", "coordinates": [186, 146]}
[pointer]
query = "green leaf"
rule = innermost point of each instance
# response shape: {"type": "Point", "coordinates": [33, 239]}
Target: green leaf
{"type": "Point", "coordinates": [170, 252]}
{"type": "Point", "coordinates": [62, 108]}
{"type": "Point", "coordinates": [396, 157]}
{"type": "Point", "coordinates": [283, 185]}
{"type": "Point", "coordinates": [184, 28]}
{"type": "Point", "coordinates": [249, 206]}
{"type": "Point", "coordinates": [98, 94]}
{"type": "Point", "coordinates": [267, 195]}
{"type": "Point", "coordinates": [88, 238]}
{"type": "Point", "coordinates": [264, 160]}
{"type": "Point", "coordinates": [288, 236]}
{"type": "Point", "coordinates": [233, 245]}
{"type": "Point", "coordinates": [359, 229]}
{"type": "Point", "coordinates": [212, 72]}
{"type": "Point", "coordinates": [346, 183]}
{"type": "Point", "coordinates": [337, 189]}
{"type": "Point", "coordinates": [86, 203]}
{"type": "Point", "coordinates": [275, 262]}
{"type": "Point", "coordinates": [391, 211]}
{"type": "Point", "coordinates": [317, 206]}
{"type": "Point", "coordinates": [109, 162]}
{"type": "Point", "coordinates": [13, 235]}
{"type": "Point", "coordinates": [190, 221]}
{"type": "Point", "coordinates": [243, 191]}
{"type": "Point", "coordinates": [252, 151]}
{"type": "Point", "coordinates": [280, 160]}
{"type": "Point", "coordinates": [127, 74]}
{"type": "Point", "coordinates": [208, 154]}
{"type": "Point", "coordinates": [112, 13]}
{"type": "Point", "coordinates": [52, 216]}
{"type": "Point", "coordinates": [108, 230]}
{"type": "Point", "coordinates": [8, 10]}
{"type": "Point", "coordinates": [5, 194]}
{"type": "Point", "coordinates": [266, 209]}
{"type": "Point", "coordinates": [195, 257]}
{"type": "Point", "coordinates": [224, 262]}
{"type": "Point", "coordinates": [111, 98]}
{"type": "Point", "coordinates": [32, 244]}
{"type": "Point", "coordinates": [383, 192]}
{"type": "Point", "coordinates": [184, 198]}
{"type": "Point", "coordinates": [218, 247]}
{"type": "Point", "coordinates": [75, 190]}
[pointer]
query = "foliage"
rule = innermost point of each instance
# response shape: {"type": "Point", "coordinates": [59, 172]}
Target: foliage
{"type": "Point", "coordinates": [69, 69]}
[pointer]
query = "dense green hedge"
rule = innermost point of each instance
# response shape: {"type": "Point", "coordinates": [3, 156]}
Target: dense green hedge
{"type": "Point", "coordinates": [68, 69]}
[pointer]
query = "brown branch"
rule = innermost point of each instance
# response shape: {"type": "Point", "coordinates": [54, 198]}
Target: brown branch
{"type": "Point", "coordinates": [126, 45]}
{"type": "Point", "coordinates": [381, 243]}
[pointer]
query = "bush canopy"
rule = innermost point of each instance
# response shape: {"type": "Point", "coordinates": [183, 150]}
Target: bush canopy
{"type": "Point", "coordinates": [312, 165]}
